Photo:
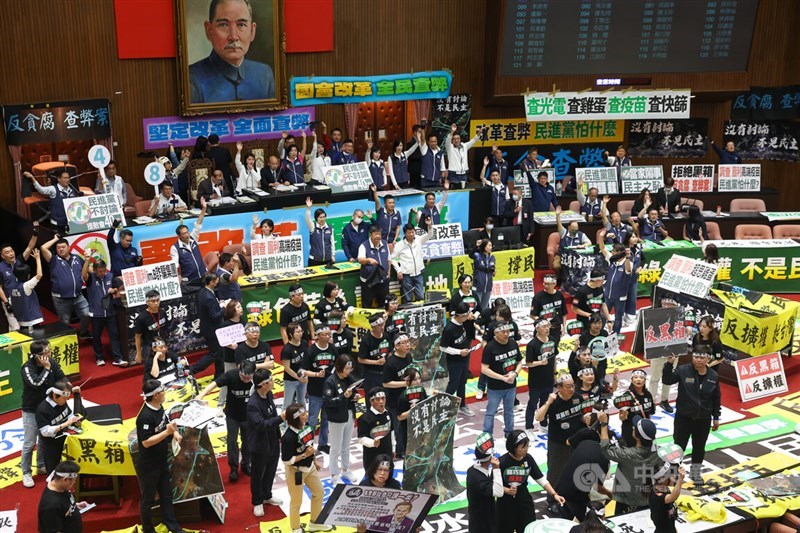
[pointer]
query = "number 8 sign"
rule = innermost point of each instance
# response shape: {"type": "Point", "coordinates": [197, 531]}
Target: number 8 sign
{"type": "Point", "coordinates": [154, 173]}
{"type": "Point", "coordinates": [99, 156]}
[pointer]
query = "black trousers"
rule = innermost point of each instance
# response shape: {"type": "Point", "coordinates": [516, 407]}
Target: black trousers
{"type": "Point", "coordinates": [234, 428]}
{"type": "Point", "coordinates": [214, 355]}
{"type": "Point", "coordinates": [557, 456]}
{"type": "Point", "coordinates": [262, 473]}
{"type": "Point", "coordinates": [152, 481]}
{"type": "Point", "coordinates": [697, 429]}
{"type": "Point", "coordinates": [377, 292]}
{"type": "Point", "coordinates": [514, 513]}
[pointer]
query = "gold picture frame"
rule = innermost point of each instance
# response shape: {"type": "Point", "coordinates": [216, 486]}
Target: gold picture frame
{"type": "Point", "coordinates": [234, 63]}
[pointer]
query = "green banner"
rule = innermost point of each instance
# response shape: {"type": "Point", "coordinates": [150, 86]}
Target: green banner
{"type": "Point", "coordinates": [764, 266]}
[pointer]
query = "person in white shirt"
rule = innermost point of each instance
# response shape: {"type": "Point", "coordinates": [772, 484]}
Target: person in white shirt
{"type": "Point", "coordinates": [167, 202]}
{"type": "Point", "coordinates": [249, 176]}
{"type": "Point", "coordinates": [397, 163]}
{"type": "Point", "coordinates": [457, 160]}
{"type": "Point", "coordinates": [115, 184]}
{"type": "Point", "coordinates": [57, 193]}
{"type": "Point", "coordinates": [319, 160]}
{"type": "Point", "coordinates": [267, 226]}
{"type": "Point", "coordinates": [409, 264]}
{"type": "Point", "coordinates": [379, 169]}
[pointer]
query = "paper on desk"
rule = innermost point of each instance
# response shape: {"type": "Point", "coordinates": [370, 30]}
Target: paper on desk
{"type": "Point", "coordinates": [144, 219]}
{"type": "Point", "coordinates": [286, 188]}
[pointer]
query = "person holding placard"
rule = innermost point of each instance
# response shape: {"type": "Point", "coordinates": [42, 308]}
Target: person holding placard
{"type": "Point", "coordinates": [239, 382]}
{"type": "Point", "coordinates": [663, 511]}
{"type": "Point", "coordinates": [154, 433]}
{"type": "Point", "coordinates": [67, 281]}
{"type": "Point", "coordinates": [412, 393]}
{"type": "Point", "coordinates": [642, 404]}
{"type": "Point", "coordinates": [231, 316]}
{"type": "Point", "coordinates": [339, 398]}
{"type": "Point", "coordinates": [111, 183]}
{"type": "Point", "coordinates": [697, 407]}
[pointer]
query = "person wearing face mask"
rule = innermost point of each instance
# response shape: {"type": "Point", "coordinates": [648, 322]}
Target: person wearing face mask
{"type": "Point", "coordinates": [519, 212]}
{"type": "Point", "coordinates": [499, 193]}
{"type": "Point", "coordinates": [487, 233]}
{"type": "Point", "coordinates": [239, 382]}
{"type": "Point", "coordinates": [354, 234]}
{"type": "Point", "coordinates": [590, 203]}
{"type": "Point", "coordinates": [571, 237]}
{"type": "Point", "coordinates": [668, 197]}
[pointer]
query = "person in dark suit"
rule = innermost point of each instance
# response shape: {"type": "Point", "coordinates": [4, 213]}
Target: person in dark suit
{"type": "Point", "coordinates": [210, 320]}
{"type": "Point", "coordinates": [222, 159]}
{"type": "Point", "coordinates": [272, 174]}
{"type": "Point", "coordinates": [668, 198]}
{"type": "Point", "coordinates": [519, 212]}
{"type": "Point", "coordinates": [213, 187]}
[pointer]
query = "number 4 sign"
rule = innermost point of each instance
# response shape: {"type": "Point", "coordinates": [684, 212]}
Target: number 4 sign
{"type": "Point", "coordinates": [99, 157]}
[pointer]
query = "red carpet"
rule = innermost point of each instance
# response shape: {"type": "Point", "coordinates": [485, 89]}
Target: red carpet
{"type": "Point", "coordinates": [110, 384]}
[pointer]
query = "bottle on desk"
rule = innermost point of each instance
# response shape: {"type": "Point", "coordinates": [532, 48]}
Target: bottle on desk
{"type": "Point", "coordinates": [558, 188]}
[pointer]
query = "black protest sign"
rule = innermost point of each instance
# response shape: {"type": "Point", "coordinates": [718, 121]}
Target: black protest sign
{"type": "Point", "coordinates": [667, 138]}
{"type": "Point", "coordinates": [428, 465]}
{"type": "Point", "coordinates": [424, 327]}
{"type": "Point", "coordinates": [455, 109]}
{"type": "Point", "coordinates": [57, 122]}
{"type": "Point", "coordinates": [777, 141]}
{"type": "Point", "coordinates": [661, 332]}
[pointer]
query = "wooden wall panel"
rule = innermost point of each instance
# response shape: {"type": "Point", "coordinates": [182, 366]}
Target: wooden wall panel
{"type": "Point", "coordinates": [66, 49]}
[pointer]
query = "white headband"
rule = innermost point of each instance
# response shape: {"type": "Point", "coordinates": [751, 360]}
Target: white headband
{"type": "Point", "coordinates": [153, 392]}
{"type": "Point", "coordinates": [63, 393]}
{"type": "Point", "coordinates": [296, 291]}
{"type": "Point", "coordinates": [662, 472]}
{"type": "Point", "coordinates": [298, 414]}
{"type": "Point", "coordinates": [379, 394]}
{"type": "Point", "coordinates": [65, 475]}
{"type": "Point", "coordinates": [376, 322]}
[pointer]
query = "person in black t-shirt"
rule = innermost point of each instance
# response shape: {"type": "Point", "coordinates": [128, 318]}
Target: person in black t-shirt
{"type": "Point", "coordinates": [484, 485]}
{"type": "Point", "coordinates": [58, 510]}
{"type": "Point", "coordinates": [500, 312]}
{"type": "Point", "coordinates": [239, 382]}
{"type": "Point", "coordinates": [393, 382]}
{"type": "Point", "coordinates": [296, 311]}
{"type": "Point", "coordinates": [380, 473]}
{"type": "Point", "coordinates": [395, 320]}
{"type": "Point", "coordinates": [550, 304]}
{"type": "Point", "coordinates": [153, 434]}
{"type": "Point", "coordinates": [318, 365]}
{"type": "Point", "coordinates": [466, 294]}
{"type": "Point", "coordinates": [152, 322]}
{"type": "Point", "coordinates": [563, 412]}
{"type": "Point", "coordinates": [253, 349]}
{"type": "Point", "coordinates": [375, 427]}
{"type": "Point", "coordinates": [343, 336]}
{"type": "Point", "coordinates": [339, 397]}
{"type": "Point", "coordinates": [540, 358]}
{"type": "Point", "coordinates": [663, 511]}
{"type": "Point", "coordinates": [161, 365]}
{"type": "Point", "coordinates": [455, 342]}
{"type": "Point", "coordinates": [501, 362]}
{"type": "Point", "coordinates": [637, 400]}
{"type": "Point", "coordinates": [264, 438]}
{"type": "Point", "coordinates": [53, 417]}
{"type": "Point", "coordinates": [515, 508]}
{"type": "Point", "coordinates": [590, 299]}
{"type": "Point", "coordinates": [292, 354]}
{"type": "Point", "coordinates": [330, 301]}
{"type": "Point", "coordinates": [373, 351]}
{"type": "Point", "coordinates": [585, 470]}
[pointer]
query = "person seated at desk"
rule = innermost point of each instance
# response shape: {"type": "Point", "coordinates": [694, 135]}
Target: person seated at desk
{"type": "Point", "coordinates": [651, 228]}
{"type": "Point", "coordinates": [571, 237]}
{"type": "Point", "coordinates": [167, 202]}
{"type": "Point", "coordinates": [114, 184]}
{"type": "Point", "coordinates": [616, 230]}
{"type": "Point", "coordinates": [590, 205]}
{"type": "Point", "coordinates": [542, 193]}
{"type": "Point", "coordinates": [668, 197]}
{"type": "Point", "coordinates": [728, 156]}
{"type": "Point", "coordinates": [292, 167]}
{"type": "Point", "coordinates": [499, 193]}
{"type": "Point", "coordinates": [161, 365]}
{"type": "Point", "coordinates": [695, 227]}
{"type": "Point", "coordinates": [213, 188]}
{"type": "Point", "coordinates": [272, 174]}
{"type": "Point", "coordinates": [249, 176]}
{"type": "Point", "coordinates": [57, 193]}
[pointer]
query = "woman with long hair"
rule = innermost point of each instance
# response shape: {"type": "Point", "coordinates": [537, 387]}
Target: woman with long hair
{"type": "Point", "coordinates": [483, 268]}
{"type": "Point", "coordinates": [707, 340]}
{"type": "Point", "coordinates": [339, 399]}
{"type": "Point", "coordinates": [638, 401]}
{"type": "Point", "coordinates": [695, 228]}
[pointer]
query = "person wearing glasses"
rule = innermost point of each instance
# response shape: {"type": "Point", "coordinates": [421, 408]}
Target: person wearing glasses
{"type": "Point", "coordinates": [152, 322]}
{"type": "Point", "coordinates": [697, 407]}
{"type": "Point", "coordinates": [263, 440]}
{"type": "Point", "coordinates": [53, 417]}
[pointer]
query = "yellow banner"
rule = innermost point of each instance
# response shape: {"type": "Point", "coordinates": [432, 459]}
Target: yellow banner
{"type": "Point", "coordinates": [102, 450]}
{"type": "Point", "coordinates": [64, 350]}
{"type": "Point", "coordinates": [509, 264]}
{"type": "Point", "coordinates": [12, 337]}
{"type": "Point", "coordinates": [520, 132]}
{"type": "Point", "coordinates": [766, 302]}
{"type": "Point", "coordinates": [757, 336]}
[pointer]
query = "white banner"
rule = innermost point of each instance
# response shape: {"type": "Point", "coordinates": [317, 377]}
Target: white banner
{"type": "Point", "coordinates": [277, 255]}
{"type": "Point", "coordinates": [8, 521]}
{"type": "Point", "coordinates": [596, 105]}
{"type": "Point", "coordinates": [379, 508]}
{"type": "Point", "coordinates": [231, 335]}
{"type": "Point", "coordinates": [634, 179]}
{"type": "Point", "coordinates": [548, 218]}
{"type": "Point", "coordinates": [688, 276]}
{"type": "Point", "coordinates": [402, 192]}
{"type": "Point", "coordinates": [760, 377]}
{"type": "Point", "coordinates": [739, 178]}
{"type": "Point", "coordinates": [446, 241]}
{"type": "Point", "coordinates": [604, 178]}
{"type": "Point", "coordinates": [162, 277]}
{"type": "Point", "coordinates": [517, 293]}
{"type": "Point", "coordinates": [693, 178]}
{"type": "Point", "coordinates": [92, 212]}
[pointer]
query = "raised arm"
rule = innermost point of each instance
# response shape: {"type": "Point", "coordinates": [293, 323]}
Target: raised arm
{"type": "Point", "coordinates": [46, 253]}
{"type": "Point", "coordinates": [32, 242]}
{"type": "Point", "coordinates": [309, 221]}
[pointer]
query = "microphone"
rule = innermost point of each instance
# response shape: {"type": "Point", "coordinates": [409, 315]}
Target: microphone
{"type": "Point", "coordinates": [174, 201]}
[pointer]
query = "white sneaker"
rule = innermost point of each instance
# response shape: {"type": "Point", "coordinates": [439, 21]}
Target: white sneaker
{"type": "Point", "coordinates": [519, 407]}
{"type": "Point", "coordinates": [466, 411]}
{"type": "Point", "coordinates": [479, 395]}
{"type": "Point", "coordinates": [335, 480]}
{"type": "Point", "coordinates": [319, 527]}
{"type": "Point", "coordinates": [27, 481]}
{"type": "Point", "coordinates": [349, 476]}
{"type": "Point", "coordinates": [258, 510]}
{"type": "Point", "coordinates": [100, 362]}
{"type": "Point", "coordinates": [274, 501]}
